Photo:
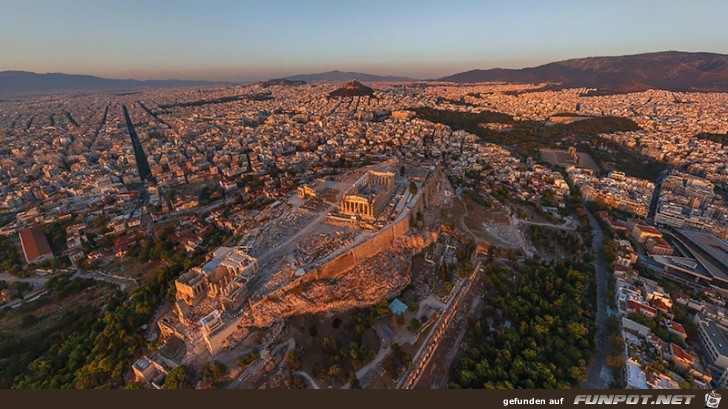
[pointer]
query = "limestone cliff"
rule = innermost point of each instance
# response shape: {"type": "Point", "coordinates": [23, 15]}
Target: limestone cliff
{"type": "Point", "coordinates": [382, 275]}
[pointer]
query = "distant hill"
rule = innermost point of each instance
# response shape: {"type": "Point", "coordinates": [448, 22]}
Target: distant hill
{"type": "Point", "coordinates": [282, 81]}
{"type": "Point", "coordinates": [23, 82]}
{"type": "Point", "coordinates": [668, 70]}
{"type": "Point", "coordinates": [352, 89]}
{"type": "Point", "coordinates": [341, 76]}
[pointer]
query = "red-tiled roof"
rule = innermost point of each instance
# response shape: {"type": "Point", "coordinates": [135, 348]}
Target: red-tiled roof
{"type": "Point", "coordinates": [680, 354]}
{"type": "Point", "coordinates": [654, 338]}
{"type": "Point", "coordinates": [660, 304]}
{"type": "Point", "coordinates": [677, 327]}
{"type": "Point", "coordinates": [637, 306]}
{"type": "Point", "coordinates": [620, 268]}
{"type": "Point", "coordinates": [34, 243]}
{"type": "Point", "coordinates": [649, 229]}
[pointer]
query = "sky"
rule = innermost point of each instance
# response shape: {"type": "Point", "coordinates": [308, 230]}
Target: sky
{"type": "Point", "coordinates": [250, 40]}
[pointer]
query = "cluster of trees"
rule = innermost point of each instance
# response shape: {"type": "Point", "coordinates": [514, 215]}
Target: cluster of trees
{"type": "Point", "coordinates": [344, 355]}
{"type": "Point", "coordinates": [364, 318]}
{"type": "Point", "coordinates": [548, 199]}
{"type": "Point", "coordinates": [179, 378]}
{"type": "Point", "coordinates": [246, 360]}
{"type": "Point", "coordinates": [201, 102]}
{"type": "Point", "coordinates": [527, 136]}
{"type": "Point", "coordinates": [18, 357]}
{"type": "Point", "coordinates": [341, 360]}
{"type": "Point", "coordinates": [682, 317]}
{"type": "Point", "coordinates": [474, 195]}
{"type": "Point", "coordinates": [63, 285]}
{"type": "Point", "coordinates": [552, 239]}
{"type": "Point", "coordinates": [97, 354]}
{"type": "Point", "coordinates": [615, 359]}
{"type": "Point", "coordinates": [502, 194]}
{"type": "Point", "coordinates": [16, 352]}
{"type": "Point", "coordinates": [56, 234]}
{"type": "Point", "coordinates": [463, 120]}
{"type": "Point", "coordinates": [397, 361]}
{"type": "Point", "coordinates": [56, 263]}
{"type": "Point", "coordinates": [161, 247]}
{"type": "Point", "coordinates": [214, 374]}
{"type": "Point", "coordinates": [415, 324]}
{"type": "Point", "coordinates": [9, 257]}
{"type": "Point", "coordinates": [623, 159]}
{"type": "Point", "coordinates": [536, 330]}
{"type": "Point", "coordinates": [207, 195]}
{"type": "Point", "coordinates": [574, 203]}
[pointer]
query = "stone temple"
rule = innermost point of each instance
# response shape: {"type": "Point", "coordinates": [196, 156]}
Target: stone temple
{"type": "Point", "coordinates": [223, 278]}
{"type": "Point", "coordinates": [368, 196]}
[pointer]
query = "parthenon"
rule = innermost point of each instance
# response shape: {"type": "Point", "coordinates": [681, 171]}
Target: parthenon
{"type": "Point", "coordinates": [369, 195]}
{"type": "Point", "coordinates": [357, 205]}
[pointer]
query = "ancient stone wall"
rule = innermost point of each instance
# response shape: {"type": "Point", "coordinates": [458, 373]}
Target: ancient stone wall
{"type": "Point", "coordinates": [343, 262]}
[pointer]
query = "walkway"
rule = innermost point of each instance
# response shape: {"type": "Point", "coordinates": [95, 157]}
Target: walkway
{"type": "Point", "coordinates": [307, 377]}
{"type": "Point", "coordinates": [597, 370]}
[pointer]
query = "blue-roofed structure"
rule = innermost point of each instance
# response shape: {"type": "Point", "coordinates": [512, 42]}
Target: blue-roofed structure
{"type": "Point", "coordinates": [397, 307]}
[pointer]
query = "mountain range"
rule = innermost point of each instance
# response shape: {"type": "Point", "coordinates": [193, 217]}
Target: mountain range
{"type": "Point", "coordinates": [668, 70]}
{"type": "Point", "coordinates": [24, 82]}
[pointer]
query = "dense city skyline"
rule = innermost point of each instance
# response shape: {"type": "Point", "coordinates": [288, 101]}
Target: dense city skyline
{"type": "Point", "coordinates": [253, 40]}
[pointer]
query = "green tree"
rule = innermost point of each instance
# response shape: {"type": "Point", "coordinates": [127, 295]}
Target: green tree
{"type": "Point", "coordinates": [178, 378]}
{"type": "Point", "coordinates": [414, 325]}
{"type": "Point", "coordinates": [292, 360]}
{"type": "Point", "coordinates": [247, 359]}
{"type": "Point", "coordinates": [213, 372]}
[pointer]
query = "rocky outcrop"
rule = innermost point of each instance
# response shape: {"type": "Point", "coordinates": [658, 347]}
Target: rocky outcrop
{"type": "Point", "coordinates": [365, 274]}
{"type": "Point", "coordinates": [380, 276]}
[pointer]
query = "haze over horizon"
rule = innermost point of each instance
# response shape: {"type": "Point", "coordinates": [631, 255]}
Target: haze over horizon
{"type": "Point", "coordinates": [255, 40]}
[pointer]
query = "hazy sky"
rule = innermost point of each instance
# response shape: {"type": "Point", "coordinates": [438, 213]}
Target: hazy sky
{"type": "Point", "coordinates": [252, 40]}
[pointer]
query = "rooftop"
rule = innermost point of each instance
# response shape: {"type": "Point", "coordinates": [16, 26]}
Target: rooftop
{"type": "Point", "coordinates": [34, 243]}
{"type": "Point", "coordinates": [397, 307]}
{"type": "Point", "coordinates": [680, 353]}
{"type": "Point", "coordinates": [636, 377]}
{"type": "Point", "coordinates": [685, 265]}
{"type": "Point", "coordinates": [142, 364]}
{"type": "Point", "coordinates": [708, 242]}
{"type": "Point", "coordinates": [717, 335]}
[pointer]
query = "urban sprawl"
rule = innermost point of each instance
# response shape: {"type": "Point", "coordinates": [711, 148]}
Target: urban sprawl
{"type": "Point", "coordinates": [324, 235]}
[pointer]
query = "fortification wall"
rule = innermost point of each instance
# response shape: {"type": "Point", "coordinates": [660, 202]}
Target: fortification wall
{"type": "Point", "coordinates": [401, 227]}
{"type": "Point", "coordinates": [373, 245]}
{"type": "Point", "coordinates": [343, 262]}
